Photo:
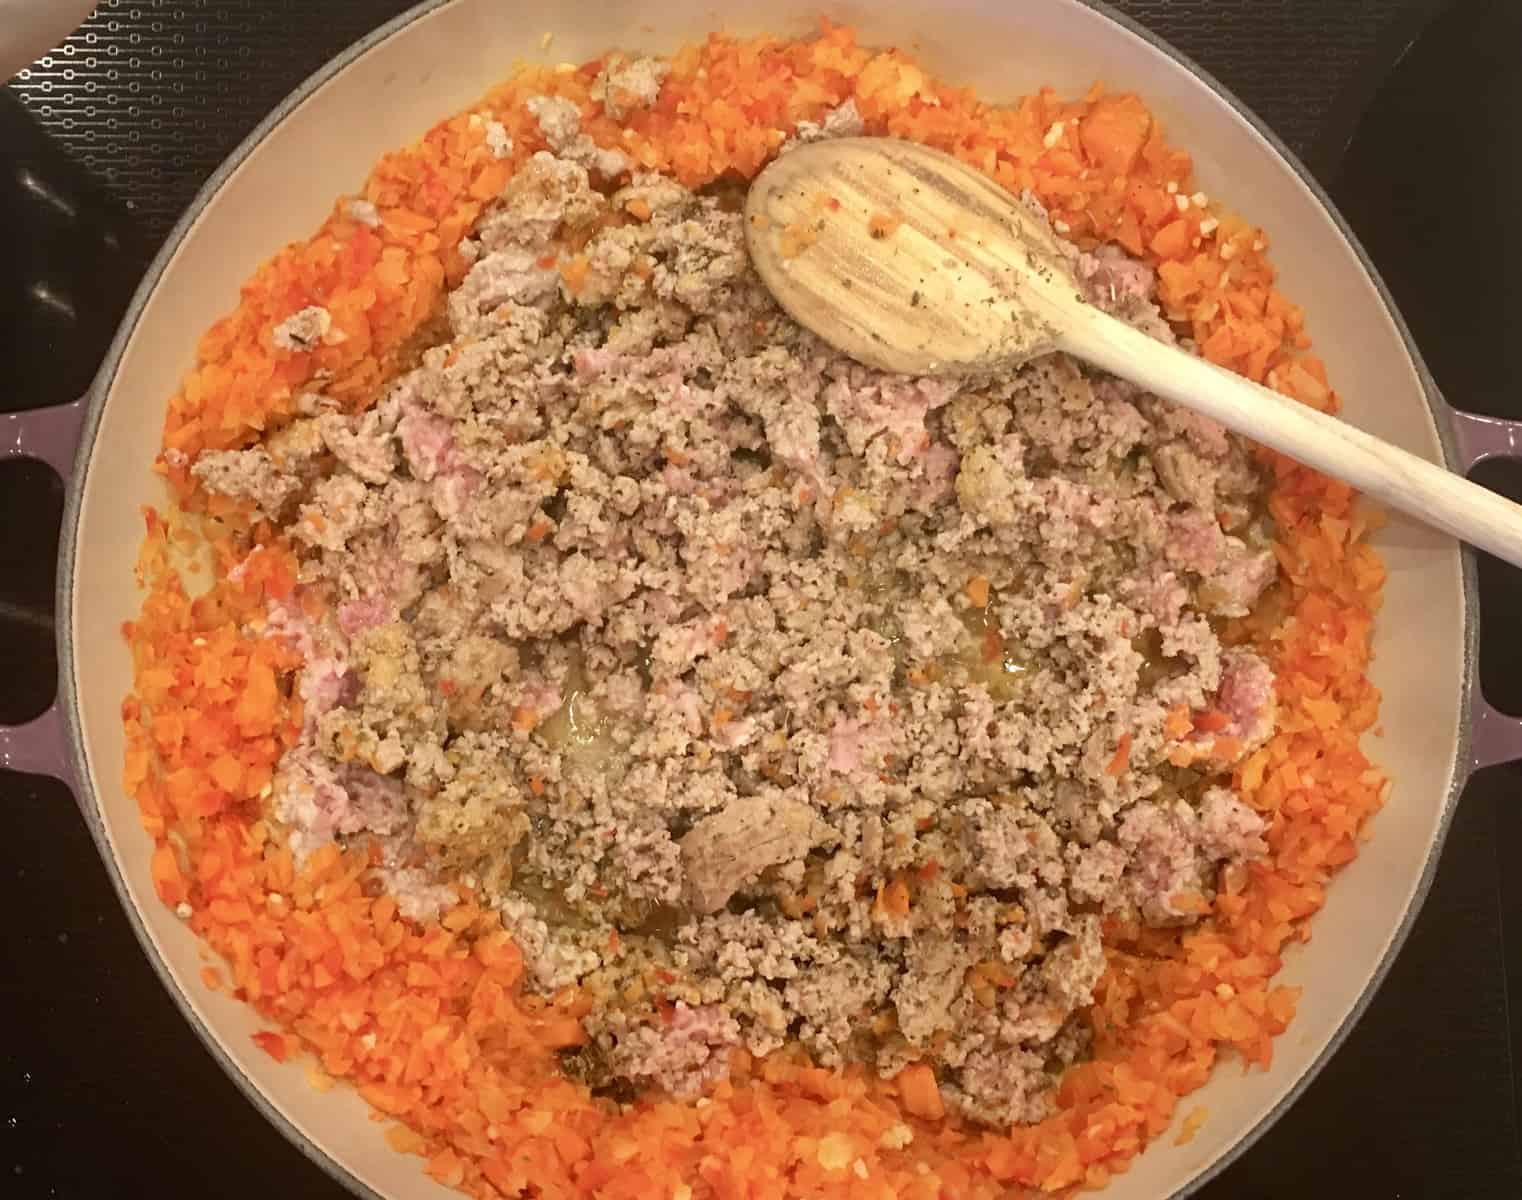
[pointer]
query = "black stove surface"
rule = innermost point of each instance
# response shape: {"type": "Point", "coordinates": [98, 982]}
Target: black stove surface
{"type": "Point", "coordinates": [1401, 107]}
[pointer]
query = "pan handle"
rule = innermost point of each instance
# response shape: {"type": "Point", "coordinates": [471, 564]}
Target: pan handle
{"type": "Point", "coordinates": [51, 435]}
{"type": "Point", "coordinates": [1494, 737]}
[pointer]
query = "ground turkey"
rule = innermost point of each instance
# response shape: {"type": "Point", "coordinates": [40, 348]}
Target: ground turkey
{"type": "Point", "coordinates": [769, 697]}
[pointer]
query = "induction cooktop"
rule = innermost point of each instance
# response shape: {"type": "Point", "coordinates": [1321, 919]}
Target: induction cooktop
{"type": "Point", "coordinates": [1403, 108]}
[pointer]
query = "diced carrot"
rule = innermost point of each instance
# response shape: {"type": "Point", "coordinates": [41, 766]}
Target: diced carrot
{"type": "Point", "coordinates": [1227, 749]}
{"type": "Point", "coordinates": [893, 897]}
{"type": "Point", "coordinates": [560, 1033]}
{"type": "Point", "coordinates": [920, 1092]}
{"type": "Point", "coordinates": [447, 1168]}
{"type": "Point", "coordinates": [405, 1140]}
{"type": "Point", "coordinates": [227, 773]}
{"type": "Point", "coordinates": [538, 530]}
{"type": "Point", "coordinates": [273, 1044]}
{"type": "Point", "coordinates": [1113, 133]}
{"type": "Point", "coordinates": [1122, 756]}
{"type": "Point", "coordinates": [1172, 240]}
{"type": "Point", "coordinates": [575, 272]}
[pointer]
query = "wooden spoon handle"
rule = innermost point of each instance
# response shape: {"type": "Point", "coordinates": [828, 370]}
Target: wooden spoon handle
{"type": "Point", "coordinates": [1391, 475]}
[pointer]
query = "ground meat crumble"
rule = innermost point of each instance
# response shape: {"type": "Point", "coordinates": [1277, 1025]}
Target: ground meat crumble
{"type": "Point", "coordinates": [769, 697]}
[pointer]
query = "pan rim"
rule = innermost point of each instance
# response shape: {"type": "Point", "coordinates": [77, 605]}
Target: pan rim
{"type": "Point", "coordinates": [100, 389]}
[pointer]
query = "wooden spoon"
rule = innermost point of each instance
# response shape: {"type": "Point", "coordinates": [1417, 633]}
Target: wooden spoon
{"type": "Point", "coordinates": [911, 261]}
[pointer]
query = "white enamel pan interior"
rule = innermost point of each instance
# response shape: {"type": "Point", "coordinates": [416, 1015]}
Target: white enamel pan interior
{"type": "Point", "coordinates": [441, 57]}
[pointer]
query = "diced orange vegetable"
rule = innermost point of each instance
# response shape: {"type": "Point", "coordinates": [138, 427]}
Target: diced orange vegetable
{"type": "Point", "coordinates": [1172, 240]}
{"type": "Point", "coordinates": [273, 1044]}
{"type": "Point", "coordinates": [574, 274]}
{"type": "Point", "coordinates": [1113, 133]}
{"type": "Point", "coordinates": [1122, 757]}
{"type": "Point", "coordinates": [920, 1092]}
{"type": "Point", "coordinates": [893, 897]}
{"type": "Point", "coordinates": [168, 882]}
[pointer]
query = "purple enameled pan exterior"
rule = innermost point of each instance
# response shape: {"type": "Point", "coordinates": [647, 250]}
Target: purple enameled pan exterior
{"type": "Point", "coordinates": [1494, 737]}
{"type": "Point", "coordinates": [50, 435]}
